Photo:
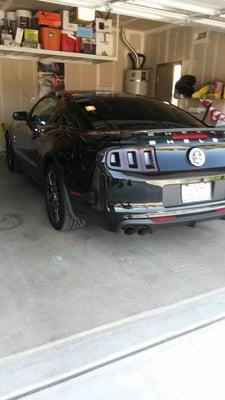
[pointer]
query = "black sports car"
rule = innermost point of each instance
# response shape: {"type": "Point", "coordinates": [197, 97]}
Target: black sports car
{"type": "Point", "coordinates": [128, 162]}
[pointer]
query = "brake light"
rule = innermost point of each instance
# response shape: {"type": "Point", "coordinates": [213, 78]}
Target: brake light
{"type": "Point", "coordinates": [191, 136]}
{"type": "Point", "coordinates": [163, 219]}
{"type": "Point", "coordinates": [130, 159]}
{"type": "Point", "coordinates": [221, 210]}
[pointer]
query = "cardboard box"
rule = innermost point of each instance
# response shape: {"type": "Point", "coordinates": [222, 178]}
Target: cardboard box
{"type": "Point", "coordinates": [69, 20]}
{"type": "Point", "coordinates": [104, 44]}
{"type": "Point", "coordinates": [88, 46]}
{"type": "Point", "coordinates": [31, 35]}
{"type": "Point", "coordinates": [19, 36]}
{"type": "Point", "coordinates": [103, 25]}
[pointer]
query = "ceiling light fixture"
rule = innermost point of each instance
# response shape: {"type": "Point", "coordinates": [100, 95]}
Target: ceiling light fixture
{"type": "Point", "coordinates": [85, 14]}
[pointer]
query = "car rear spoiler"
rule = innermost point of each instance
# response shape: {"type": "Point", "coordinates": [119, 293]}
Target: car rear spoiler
{"type": "Point", "coordinates": [184, 130]}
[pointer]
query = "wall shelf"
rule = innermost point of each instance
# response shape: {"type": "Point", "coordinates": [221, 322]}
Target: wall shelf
{"type": "Point", "coordinates": [26, 53]}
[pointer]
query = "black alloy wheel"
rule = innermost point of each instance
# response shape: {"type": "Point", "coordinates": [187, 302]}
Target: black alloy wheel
{"type": "Point", "coordinates": [59, 209]}
{"type": "Point", "coordinates": [12, 163]}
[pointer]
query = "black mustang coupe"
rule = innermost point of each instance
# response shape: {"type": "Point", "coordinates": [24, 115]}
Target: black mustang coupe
{"type": "Point", "coordinates": [127, 162]}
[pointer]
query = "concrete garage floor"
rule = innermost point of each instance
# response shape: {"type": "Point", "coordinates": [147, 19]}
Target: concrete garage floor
{"type": "Point", "coordinates": [190, 367]}
{"type": "Point", "coordinates": [58, 284]}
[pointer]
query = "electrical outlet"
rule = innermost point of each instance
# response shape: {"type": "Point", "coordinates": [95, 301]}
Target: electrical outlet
{"type": "Point", "coordinates": [32, 100]}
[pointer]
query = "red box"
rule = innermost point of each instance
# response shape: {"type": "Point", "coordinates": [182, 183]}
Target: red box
{"type": "Point", "coordinates": [77, 47]}
{"type": "Point", "coordinates": [51, 19]}
{"type": "Point", "coordinates": [50, 38]}
{"type": "Point", "coordinates": [67, 43]}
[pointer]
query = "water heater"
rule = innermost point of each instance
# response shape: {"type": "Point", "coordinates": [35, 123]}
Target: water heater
{"type": "Point", "coordinates": [137, 82]}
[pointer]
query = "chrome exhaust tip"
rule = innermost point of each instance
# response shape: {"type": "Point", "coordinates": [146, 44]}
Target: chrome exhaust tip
{"type": "Point", "coordinates": [130, 230]}
{"type": "Point", "coordinates": [143, 230]}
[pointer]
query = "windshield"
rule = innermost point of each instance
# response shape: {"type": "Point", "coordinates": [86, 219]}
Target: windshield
{"type": "Point", "coordinates": [132, 113]}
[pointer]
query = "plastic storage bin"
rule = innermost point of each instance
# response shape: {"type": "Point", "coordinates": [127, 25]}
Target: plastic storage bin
{"type": "Point", "coordinates": [50, 38]}
{"type": "Point", "coordinates": [67, 43]}
{"type": "Point", "coordinates": [77, 47]}
{"type": "Point", "coordinates": [50, 19]}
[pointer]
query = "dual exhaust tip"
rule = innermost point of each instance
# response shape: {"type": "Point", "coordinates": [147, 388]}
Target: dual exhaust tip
{"type": "Point", "coordinates": [140, 230]}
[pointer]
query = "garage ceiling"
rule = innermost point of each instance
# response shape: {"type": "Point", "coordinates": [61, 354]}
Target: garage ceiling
{"type": "Point", "coordinates": [210, 13]}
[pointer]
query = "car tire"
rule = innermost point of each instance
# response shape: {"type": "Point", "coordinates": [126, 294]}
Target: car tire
{"type": "Point", "coordinates": [12, 163]}
{"type": "Point", "coordinates": [60, 213]}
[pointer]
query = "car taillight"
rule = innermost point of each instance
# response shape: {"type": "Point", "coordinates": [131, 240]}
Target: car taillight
{"type": "Point", "coordinates": [163, 219]}
{"type": "Point", "coordinates": [221, 210]}
{"type": "Point", "coordinates": [130, 159]}
{"type": "Point", "coordinates": [190, 135]}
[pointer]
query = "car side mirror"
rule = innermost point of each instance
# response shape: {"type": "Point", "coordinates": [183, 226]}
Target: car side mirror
{"type": "Point", "coordinates": [20, 115]}
{"type": "Point", "coordinates": [37, 120]}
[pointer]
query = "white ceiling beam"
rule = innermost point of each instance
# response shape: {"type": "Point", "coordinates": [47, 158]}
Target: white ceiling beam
{"type": "Point", "coordinates": [177, 6]}
{"type": "Point", "coordinates": [168, 11]}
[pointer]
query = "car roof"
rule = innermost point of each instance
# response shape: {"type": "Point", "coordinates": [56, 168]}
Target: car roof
{"type": "Point", "coordinates": [94, 93]}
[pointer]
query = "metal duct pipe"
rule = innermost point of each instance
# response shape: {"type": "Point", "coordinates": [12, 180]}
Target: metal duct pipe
{"type": "Point", "coordinates": [130, 47]}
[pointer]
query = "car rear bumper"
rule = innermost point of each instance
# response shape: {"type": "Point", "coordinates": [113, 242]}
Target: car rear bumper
{"type": "Point", "coordinates": [157, 201]}
{"type": "Point", "coordinates": [153, 202]}
{"type": "Point", "coordinates": [159, 217]}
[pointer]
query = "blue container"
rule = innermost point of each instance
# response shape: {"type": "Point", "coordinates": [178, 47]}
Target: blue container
{"type": "Point", "coordinates": [85, 31]}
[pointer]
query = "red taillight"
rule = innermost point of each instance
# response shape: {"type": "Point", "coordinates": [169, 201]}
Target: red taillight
{"type": "Point", "coordinates": [163, 219]}
{"type": "Point", "coordinates": [221, 210]}
{"type": "Point", "coordinates": [191, 136]}
{"type": "Point", "coordinates": [132, 159]}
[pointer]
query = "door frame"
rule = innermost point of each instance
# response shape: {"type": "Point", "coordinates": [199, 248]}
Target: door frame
{"type": "Point", "coordinates": [157, 70]}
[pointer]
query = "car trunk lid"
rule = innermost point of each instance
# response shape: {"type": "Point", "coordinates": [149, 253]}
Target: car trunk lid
{"type": "Point", "coordinates": [173, 151]}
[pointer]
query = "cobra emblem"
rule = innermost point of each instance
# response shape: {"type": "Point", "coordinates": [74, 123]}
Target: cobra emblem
{"type": "Point", "coordinates": [196, 156]}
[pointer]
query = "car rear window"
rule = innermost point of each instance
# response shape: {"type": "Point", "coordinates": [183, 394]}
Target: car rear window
{"type": "Point", "coordinates": [132, 112]}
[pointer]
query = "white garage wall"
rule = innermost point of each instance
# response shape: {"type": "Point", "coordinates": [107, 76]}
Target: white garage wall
{"type": "Point", "coordinates": [205, 59]}
{"type": "Point", "coordinates": [19, 79]}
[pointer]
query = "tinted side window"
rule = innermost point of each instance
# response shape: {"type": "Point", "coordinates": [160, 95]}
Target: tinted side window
{"type": "Point", "coordinates": [44, 109]}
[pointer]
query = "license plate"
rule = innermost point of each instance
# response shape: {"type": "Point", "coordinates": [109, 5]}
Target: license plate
{"type": "Point", "coordinates": [195, 192]}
